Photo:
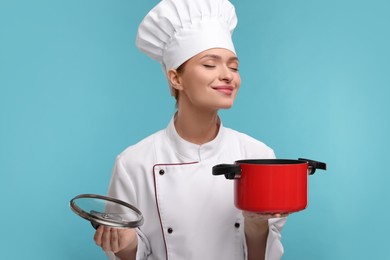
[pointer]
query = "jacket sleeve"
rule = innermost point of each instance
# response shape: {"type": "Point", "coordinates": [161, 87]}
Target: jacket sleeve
{"type": "Point", "coordinates": [122, 187]}
{"type": "Point", "coordinates": [274, 248]}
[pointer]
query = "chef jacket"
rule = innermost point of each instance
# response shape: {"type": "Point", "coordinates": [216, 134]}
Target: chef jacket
{"type": "Point", "coordinates": [189, 214]}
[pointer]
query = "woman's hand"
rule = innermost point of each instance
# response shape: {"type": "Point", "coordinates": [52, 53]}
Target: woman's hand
{"type": "Point", "coordinates": [121, 241]}
{"type": "Point", "coordinates": [255, 217]}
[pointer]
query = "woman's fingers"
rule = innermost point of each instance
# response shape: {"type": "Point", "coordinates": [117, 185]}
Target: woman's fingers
{"type": "Point", "coordinates": [114, 240]}
{"type": "Point", "coordinates": [106, 239]}
{"type": "Point", "coordinates": [98, 235]}
{"type": "Point", "coordinates": [257, 215]}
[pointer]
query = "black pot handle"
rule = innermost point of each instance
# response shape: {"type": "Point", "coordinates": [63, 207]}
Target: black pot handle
{"type": "Point", "coordinates": [231, 171]}
{"type": "Point", "coordinates": [313, 165]}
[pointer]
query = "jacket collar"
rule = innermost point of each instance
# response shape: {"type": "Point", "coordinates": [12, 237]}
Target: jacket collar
{"type": "Point", "coordinates": [194, 152]}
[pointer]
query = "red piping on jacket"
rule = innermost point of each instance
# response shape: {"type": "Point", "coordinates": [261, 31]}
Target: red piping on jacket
{"type": "Point", "coordinates": [155, 196]}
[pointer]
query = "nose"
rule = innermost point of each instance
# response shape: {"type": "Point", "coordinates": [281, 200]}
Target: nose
{"type": "Point", "coordinates": [226, 74]}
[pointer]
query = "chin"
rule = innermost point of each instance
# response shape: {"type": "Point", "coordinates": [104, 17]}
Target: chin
{"type": "Point", "coordinates": [226, 106]}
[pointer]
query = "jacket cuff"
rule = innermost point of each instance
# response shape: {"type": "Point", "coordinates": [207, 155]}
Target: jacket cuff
{"type": "Point", "coordinates": [143, 249]}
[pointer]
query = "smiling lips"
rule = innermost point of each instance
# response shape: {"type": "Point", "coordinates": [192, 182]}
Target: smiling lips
{"type": "Point", "coordinates": [227, 90]}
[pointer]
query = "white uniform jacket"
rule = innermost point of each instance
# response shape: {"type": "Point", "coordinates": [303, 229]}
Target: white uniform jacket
{"type": "Point", "coordinates": [188, 213]}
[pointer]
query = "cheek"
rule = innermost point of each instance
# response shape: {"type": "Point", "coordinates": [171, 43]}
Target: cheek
{"type": "Point", "coordinates": [238, 81]}
{"type": "Point", "coordinates": [200, 80]}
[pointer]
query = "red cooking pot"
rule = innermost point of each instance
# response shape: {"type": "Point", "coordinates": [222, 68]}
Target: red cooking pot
{"type": "Point", "coordinates": [270, 185]}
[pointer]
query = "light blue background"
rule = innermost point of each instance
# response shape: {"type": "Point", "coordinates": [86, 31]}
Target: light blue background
{"type": "Point", "coordinates": [75, 91]}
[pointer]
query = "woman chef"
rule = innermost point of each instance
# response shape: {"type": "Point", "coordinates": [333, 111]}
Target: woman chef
{"type": "Point", "coordinates": [188, 213]}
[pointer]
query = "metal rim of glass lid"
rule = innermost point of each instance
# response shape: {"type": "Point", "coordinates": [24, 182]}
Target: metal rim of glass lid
{"type": "Point", "coordinates": [106, 211]}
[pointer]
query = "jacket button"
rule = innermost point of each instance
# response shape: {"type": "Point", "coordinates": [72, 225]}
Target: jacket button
{"type": "Point", "coordinates": [170, 230]}
{"type": "Point", "coordinates": [237, 225]}
{"type": "Point", "coordinates": [161, 172]}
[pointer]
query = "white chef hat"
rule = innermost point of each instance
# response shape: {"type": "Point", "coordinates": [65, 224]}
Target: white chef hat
{"type": "Point", "coordinates": [176, 30]}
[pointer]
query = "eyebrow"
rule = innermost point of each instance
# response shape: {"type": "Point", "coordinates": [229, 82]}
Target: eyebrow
{"type": "Point", "coordinates": [217, 57]}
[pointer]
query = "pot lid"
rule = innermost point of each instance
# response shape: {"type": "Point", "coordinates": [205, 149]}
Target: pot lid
{"type": "Point", "coordinates": [102, 210]}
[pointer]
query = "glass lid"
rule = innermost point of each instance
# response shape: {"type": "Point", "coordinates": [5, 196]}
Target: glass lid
{"type": "Point", "coordinates": [102, 210]}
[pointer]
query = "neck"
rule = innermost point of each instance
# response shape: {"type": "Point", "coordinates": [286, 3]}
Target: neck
{"type": "Point", "coordinates": [197, 127]}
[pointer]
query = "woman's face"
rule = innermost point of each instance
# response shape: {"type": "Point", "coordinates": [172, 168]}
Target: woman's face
{"type": "Point", "coordinates": [210, 80]}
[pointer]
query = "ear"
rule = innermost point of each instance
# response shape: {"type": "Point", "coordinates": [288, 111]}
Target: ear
{"type": "Point", "coordinates": [174, 79]}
